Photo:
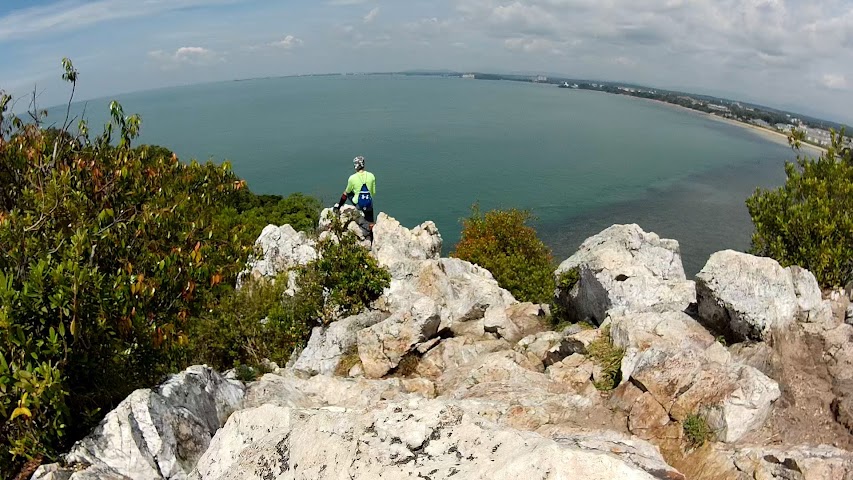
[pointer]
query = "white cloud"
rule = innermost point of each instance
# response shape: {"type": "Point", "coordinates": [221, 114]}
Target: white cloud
{"type": "Point", "coordinates": [68, 15]}
{"type": "Point", "coordinates": [289, 42]}
{"type": "Point", "coordinates": [532, 45]}
{"type": "Point", "coordinates": [371, 15]}
{"type": "Point", "coordinates": [186, 56]}
{"type": "Point", "coordinates": [834, 81]}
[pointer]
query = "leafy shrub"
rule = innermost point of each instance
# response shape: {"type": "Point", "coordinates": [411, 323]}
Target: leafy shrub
{"type": "Point", "coordinates": [566, 280]}
{"type": "Point", "coordinates": [250, 325]}
{"type": "Point", "coordinates": [247, 214]}
{"type": "Point", "coordinates": [502, 242]}
{"type": "Point", "coordinates": [809, 221]}
{"type": "Point", "coordinates": [109, 254]}
{"type": "Point", "coordinates": [609, 358]}
{"type": "Point", "coordinates": [696, 430]}
{"type": "Point", "coordinates": [344, 279]}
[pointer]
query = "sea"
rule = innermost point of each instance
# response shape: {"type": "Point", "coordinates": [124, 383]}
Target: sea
{"type": "Point", "coordinates": [580, 161]}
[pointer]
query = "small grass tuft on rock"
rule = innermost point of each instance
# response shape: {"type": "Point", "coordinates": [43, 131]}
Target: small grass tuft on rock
{"type": "Point", "coordinates": [696, 430]}
{"type": "Point", "coordinates": [609, 358]}
{"type": "Point", "coordinates": [348, 360]}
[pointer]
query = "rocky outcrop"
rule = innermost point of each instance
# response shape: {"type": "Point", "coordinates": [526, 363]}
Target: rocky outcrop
{"type": "Point", "coordinates": [420, 439]}
{"type": "Point", "coordinates": [155, 434]}
{"type": "Point", "coordinates": [278, 250]}
{"type": "Point", "coordinates": [749, 298]}
{"type": "Point", "coordinates": [328, 344]}
{"type": "Point", "coordinates": [802, 462]}
{"type": "Point", "coordinates": [351, 220]}
{"type": "Point", "coordinates": [680, 366]}
{"type": "Point", "coordinates": [402, 250]}
{"type": "Point", "coordinates": [456, 379]}
{"type": "Point", "coordinates": [382, 346]}
{"type": "Point", "coordinates": [624, 268]}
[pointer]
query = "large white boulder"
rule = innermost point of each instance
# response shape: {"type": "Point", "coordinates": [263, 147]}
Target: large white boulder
{"type": "Point", "coordinates": [749, 298]}
{"type": "Point", "coordinates": [160, 433]}
{"type": "Point", "coordinates": [625, 268]}
{"type": "Point", "coordinates": [402, 250]}
{"type": "Point", "coordinates": [278, 250]}
{"type": "Point", "coordinates": [382, 346]}
{"type": "Point", "coordinates": [468, 298]}
{"type": "Point", "coordinates": [417, 439]}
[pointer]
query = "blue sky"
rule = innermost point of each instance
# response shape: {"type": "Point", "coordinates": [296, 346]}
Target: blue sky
{"type": "Point", "coordinates": [785, 53]}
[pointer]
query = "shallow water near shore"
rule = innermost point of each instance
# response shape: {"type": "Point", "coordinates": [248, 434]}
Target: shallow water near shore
{"type": "Point", "coordinates": [579, 160]}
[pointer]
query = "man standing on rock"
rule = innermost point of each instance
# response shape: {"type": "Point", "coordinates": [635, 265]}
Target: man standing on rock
{"type": "Point", "coordinates": [361, 187]}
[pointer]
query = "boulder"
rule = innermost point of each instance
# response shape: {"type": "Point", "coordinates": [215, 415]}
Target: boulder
{"type": "Point", "coordinates": [802, 462]}
{"type": "Point", "coordinates": [382, 346]}
{"type": "Point", "coordinates": [516, 321]}
{"type": "Point", "coordinates": [418, 439]}
{"type": "Point", "coordinates": [625, 268]}
{"type": "Point", "coordinates": [456, 352]}
{"type": "Point", "coordinates": [402, 250]}
{"type": "Point", "coordinates": [352, 220]}
{"type": "Point", "coordinates": [467, 297]}
{"type": "Point", "coordinates": [671, 357]}
{"type": "Point", "coordinates": [546, 348]}
{"type": "Point", "coordinates": [327, 345]}
{"type": "Point", "coordinates": [748, 298]}
{"type": "Point", "coordinates": [575, 370]}
{"type": "Point", "coordinates": [157, 434]}
{"type": "Point", "coordinates": [278, 250]}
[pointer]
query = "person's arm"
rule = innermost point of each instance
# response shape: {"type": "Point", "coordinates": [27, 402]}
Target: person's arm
{"type": "Point", "coordinates": [372, 186]}
{"type": "Point", "coordinates": [342, 201]}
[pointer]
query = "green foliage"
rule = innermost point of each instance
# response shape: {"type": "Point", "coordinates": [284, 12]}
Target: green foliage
{"type": "Point", "coordinates": [566, 280]}
{"type": "Point", "coordinates": [250, 325]}
{"type": "Point", "coordinates": [247, 214]}
{"type": "Point", "coordinates": [344, 279]}
{"type": "Point", "coordinates": [109, 256]}
{"type": "Point", "coordinates": [696, 430]}
{"type": "Point", "coordinates": [609, 358]}
{"type": "Point", "coordinates": [809, 221]}
{"type": "Point", "coordinates": [502, 242]}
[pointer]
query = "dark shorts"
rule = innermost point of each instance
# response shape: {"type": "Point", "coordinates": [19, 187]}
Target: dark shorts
{"type": "Point", "coordinates": [368, 215]}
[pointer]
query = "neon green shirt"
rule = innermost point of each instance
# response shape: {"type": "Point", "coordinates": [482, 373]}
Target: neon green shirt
{"type": "Point", "coordinates": [357, 179]}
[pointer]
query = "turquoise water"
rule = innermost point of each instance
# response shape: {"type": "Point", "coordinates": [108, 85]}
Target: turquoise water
{"type": "Point", "coordinates": [579, 160]}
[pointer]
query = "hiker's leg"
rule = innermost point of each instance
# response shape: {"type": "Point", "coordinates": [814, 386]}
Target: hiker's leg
{"type": "Point", "coordinates": [368, 215]}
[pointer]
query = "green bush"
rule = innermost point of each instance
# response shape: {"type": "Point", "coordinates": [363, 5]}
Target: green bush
{"type": "Point", "coordinates": [250, 325]}
{"type": "Point", "coordinates": [502, 242]}
{"type": "Point", "coordinates": [809, 221]}
{"type": "Point", "coordinates": [109, 256]}
{"type": "Point", "coordinates": [344, 279]}
{"type": "Point", "coordinates": [247, 214]}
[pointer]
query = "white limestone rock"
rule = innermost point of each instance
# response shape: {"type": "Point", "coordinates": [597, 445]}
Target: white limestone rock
{"type": "Point", "coordinates": [328, 345]}
{"type": "Point", "coordinates": [382, 346]}
{"type": "Point", "coordinates": [625, 268]}
{"type": "Point", "coordinates": [425, 438]}
{"type": "Point", "coordinates": [278, 250]}
{"type": "Point", "coordinates": [161, 433]}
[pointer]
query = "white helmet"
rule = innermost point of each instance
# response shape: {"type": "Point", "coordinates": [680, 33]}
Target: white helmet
{"type": "Point", "coordinates": [358, 162]}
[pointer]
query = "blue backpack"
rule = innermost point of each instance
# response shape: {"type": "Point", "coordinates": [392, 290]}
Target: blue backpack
{"type": "Point", "coordinates": [365, 201]}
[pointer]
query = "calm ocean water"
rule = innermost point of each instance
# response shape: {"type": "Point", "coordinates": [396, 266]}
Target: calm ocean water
{"type": "Point", "coordinates": [579, 160]}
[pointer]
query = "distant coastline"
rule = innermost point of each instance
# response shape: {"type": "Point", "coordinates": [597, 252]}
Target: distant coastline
{"type": "Point", "coordinates": [772, 135]}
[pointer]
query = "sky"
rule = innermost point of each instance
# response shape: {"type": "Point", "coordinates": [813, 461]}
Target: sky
{"type": "Point", "coordinates": [792, 54]}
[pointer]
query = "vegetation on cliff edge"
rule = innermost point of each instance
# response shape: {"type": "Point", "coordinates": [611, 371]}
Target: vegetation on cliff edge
{"type": "Point", "coordinates": [809, 220]}
{"type": "Point", "coordinates": [111, 256]}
